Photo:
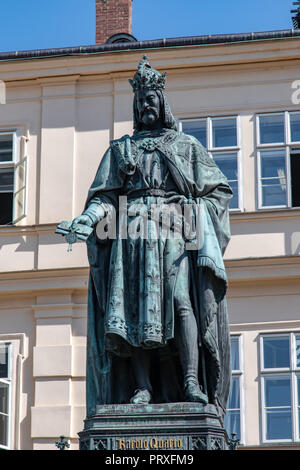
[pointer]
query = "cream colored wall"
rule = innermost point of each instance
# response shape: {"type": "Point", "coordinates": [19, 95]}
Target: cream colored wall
{"type": "Point", "coordinates": [71, 108]}
{"type": "Point", "coordinates": [71, 118]}
{"type": "Point", "coordinates": [256, 307]}
{"type": "Point", "coordinates": [45, 311]}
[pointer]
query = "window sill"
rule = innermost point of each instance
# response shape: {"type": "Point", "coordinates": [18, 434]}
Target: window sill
{"type": "Point", "coordinates": [259, 214]}
{"type": "Point", "coordinates": [17, 229]}
{"type": "Point", "coordinates": [280, 443]}
{"type": "Point", "coordinates": [270, 445]}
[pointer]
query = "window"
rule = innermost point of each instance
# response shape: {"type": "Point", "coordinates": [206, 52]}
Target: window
{"type": "Point", "coordinates": [280, 385]}
{"type": "Point", "coordinates": [5, 392]}
{"type": "Point", "coordinates": [12, 177]}
{"type": "Point", "coordinates": [278, 145]}
{"type": "Point", "coordinates": [233, 417]}
{"type": "Point", "coordinates": [220, 136]}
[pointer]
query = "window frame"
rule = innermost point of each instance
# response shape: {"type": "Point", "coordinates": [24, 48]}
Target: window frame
{"type": "Point", "coordinates": [239, 373]}
{"type": "Point", "coordinates": [288, 145]}
{"type": "Point", "coordinates": [273, 144]}
{"type": "Point", "coordinates": [295, 143]}
{"type": "Point", "coordinates": [260, 180]}
{"type": "Point", "coordinates": [291, 372]}
{"type": "Point", "coordinates": [19, 157]}
{"type": "Point", "coordinates": [223, 150]}
{"type": "Point", "coordinates": [8, 381]}
{"type": "Point", "coordinates": [11, 163]}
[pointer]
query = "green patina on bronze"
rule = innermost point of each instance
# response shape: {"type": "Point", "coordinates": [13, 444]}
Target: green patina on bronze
{"type": "Point", "coordinates": [152, 303]}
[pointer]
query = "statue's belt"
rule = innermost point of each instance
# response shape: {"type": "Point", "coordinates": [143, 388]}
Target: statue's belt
{"type": "Point", "coordinates": [177, 218]}
{"type": "Point", "coordinates": [150, 192]}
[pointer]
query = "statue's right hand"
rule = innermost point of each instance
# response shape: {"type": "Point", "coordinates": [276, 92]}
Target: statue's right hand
{"type": "Point", "coordinates": [82, 219]}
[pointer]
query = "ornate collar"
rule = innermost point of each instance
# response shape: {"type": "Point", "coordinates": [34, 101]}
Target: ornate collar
{"type": "Point", "coordinates": [150, 140]}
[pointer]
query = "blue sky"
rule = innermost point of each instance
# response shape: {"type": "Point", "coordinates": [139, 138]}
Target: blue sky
{"type": "Point", "coordinates": [39, 24]}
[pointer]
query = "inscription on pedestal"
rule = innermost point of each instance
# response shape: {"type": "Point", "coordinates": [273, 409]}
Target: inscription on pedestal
{"type": "Point", "coordinates": [175, 426]}
{"type": "Point", "coordinates": [153, 443]}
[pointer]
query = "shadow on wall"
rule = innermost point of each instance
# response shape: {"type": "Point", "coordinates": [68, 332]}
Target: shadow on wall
{"type": "Point", "coordinates": [283, 228]}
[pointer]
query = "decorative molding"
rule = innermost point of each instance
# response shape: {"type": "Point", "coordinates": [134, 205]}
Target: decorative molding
{"type": "Point", "coordinates": [220, 55]}
{"type": "Point", "coordinates": [265, 268]}
{"type": "Point", "coordinates": [216, 443]}
{"type": "Point", "coordinates": [28, 229]}
{"type": "Point", "coordinates": [58, 80]}
{"type": "Point", "coordinates": [84, 445]}
{"type": "Point", "coordinates": [199, 443]}
{"type": "Point", "coordinates": [20, 356]}
{"type": "Point", "coordinates": [264, 214]}
{"type": "Point", "coordinates": [99, 444]}
{"type": "Point", "coordinates": [62, 281]}
{"type": "Point", "coordinates": [17, 336]}
{"type": "Point", "coordinates": [279, 326]}
{"type": "Point", "coordinates": [60, 310]}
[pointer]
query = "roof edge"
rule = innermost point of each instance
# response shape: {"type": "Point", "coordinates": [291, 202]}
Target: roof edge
{"type": "Point", "coordinates": [150, 44]}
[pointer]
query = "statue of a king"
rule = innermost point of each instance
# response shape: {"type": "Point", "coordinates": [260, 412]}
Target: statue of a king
{"type": "Point", "coordinates": [157, 318]}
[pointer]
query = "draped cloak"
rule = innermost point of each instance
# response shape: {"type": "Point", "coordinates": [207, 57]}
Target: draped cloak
{"type": "Point", "coordinates": [199, 181]}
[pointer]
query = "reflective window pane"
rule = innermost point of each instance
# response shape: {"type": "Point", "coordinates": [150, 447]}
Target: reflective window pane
{"type": "Point", "coordinates": [3, 361]}
{"type": "Point", "coordinates": [279, 424]}
{"type": "Point", "coordinates": [234, 396]}
{"type": "Point", "coordinates": [196, 129]}
{"type": "Point", "coordinates": [6, 179]}
{"type": "Point", "coordinates": [271, 129]}
{"type": "Point", "coordinates": [273, 164]}
{"type": "Point", "coordinates": [234, 203]}
{"type": "Point", "coordinates": [235, 360]}
{"type": "Point", "coordinates": [298, 402]}
{"type": "Point", "coordinates": [3, 430]}
{"type": "Point", "coordinates": [277, 391]}
{"type": "Point", "coordinates": [20, 176]}
{"type": "Point", "coordinates": [297, 350]}
{"type": "Point", "coordinates": [232, 423]}
{"type": "Point", "coordinates": [19, 204]}
{"type": "Point", "coordinates": [227, 164]}
{"type": "Point", "coordinates": [4, 388]}
{"type": "Point", "coordinates": [276, 352]}
{"type": "Point", "coordinates": [232, 417]}
{"type": "Point", "coordinates": [224, 132]}
{"type": "Point", "coordinates": [6, 148]}
{"type": "Point", "coordinates": [278, 407]}
{"type": "Point", "coordinates": [273, 192]}
{"type": "Point", "coordinates": [295, 127]}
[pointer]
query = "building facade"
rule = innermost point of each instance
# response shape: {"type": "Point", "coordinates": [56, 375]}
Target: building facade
{"type": "Point", "coordinates": [240, 97]}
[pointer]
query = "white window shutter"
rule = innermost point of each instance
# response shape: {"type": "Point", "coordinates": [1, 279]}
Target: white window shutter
{"type": "Point", "coordinates": [19, 198]}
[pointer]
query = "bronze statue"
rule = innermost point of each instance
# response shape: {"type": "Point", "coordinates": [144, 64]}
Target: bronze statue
{"type": "Point", "coordinates": [157, 318]}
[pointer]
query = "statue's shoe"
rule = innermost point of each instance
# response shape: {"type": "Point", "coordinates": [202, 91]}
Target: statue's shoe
{"type": "Point", "coordinates": [141, 397]}
{"type": "Point", "coordinates": [193, 393]}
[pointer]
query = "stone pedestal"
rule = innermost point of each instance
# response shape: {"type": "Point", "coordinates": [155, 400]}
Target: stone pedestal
{"type": "Point", "coordinates": [157, 427]}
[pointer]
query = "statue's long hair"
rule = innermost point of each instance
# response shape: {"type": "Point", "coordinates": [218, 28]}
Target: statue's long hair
{"type": "Point", "coordinates": [168, 120]}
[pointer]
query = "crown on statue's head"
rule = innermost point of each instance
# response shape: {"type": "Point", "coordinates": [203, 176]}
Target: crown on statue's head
{"type": "Point", "coordinates": [147, 77]}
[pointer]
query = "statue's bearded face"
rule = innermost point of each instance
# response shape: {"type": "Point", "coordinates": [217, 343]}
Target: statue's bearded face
{"type": "Point", "coordinates": [148, 105]}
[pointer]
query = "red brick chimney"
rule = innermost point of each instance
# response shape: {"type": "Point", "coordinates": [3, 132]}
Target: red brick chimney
{"type": "Point", "coordinates": [112, 17]}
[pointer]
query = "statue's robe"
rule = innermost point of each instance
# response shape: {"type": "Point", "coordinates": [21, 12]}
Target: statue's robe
{"type": "Point", "coordinates": [118, 308]}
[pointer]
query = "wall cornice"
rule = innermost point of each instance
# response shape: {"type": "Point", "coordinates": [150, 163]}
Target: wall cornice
{"type": "Point", "coordinates": [41, 281]}
{"type": "Point", "coordinates": [253, 270]}
{"type": "Point", "coordinates": [172, 58]}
